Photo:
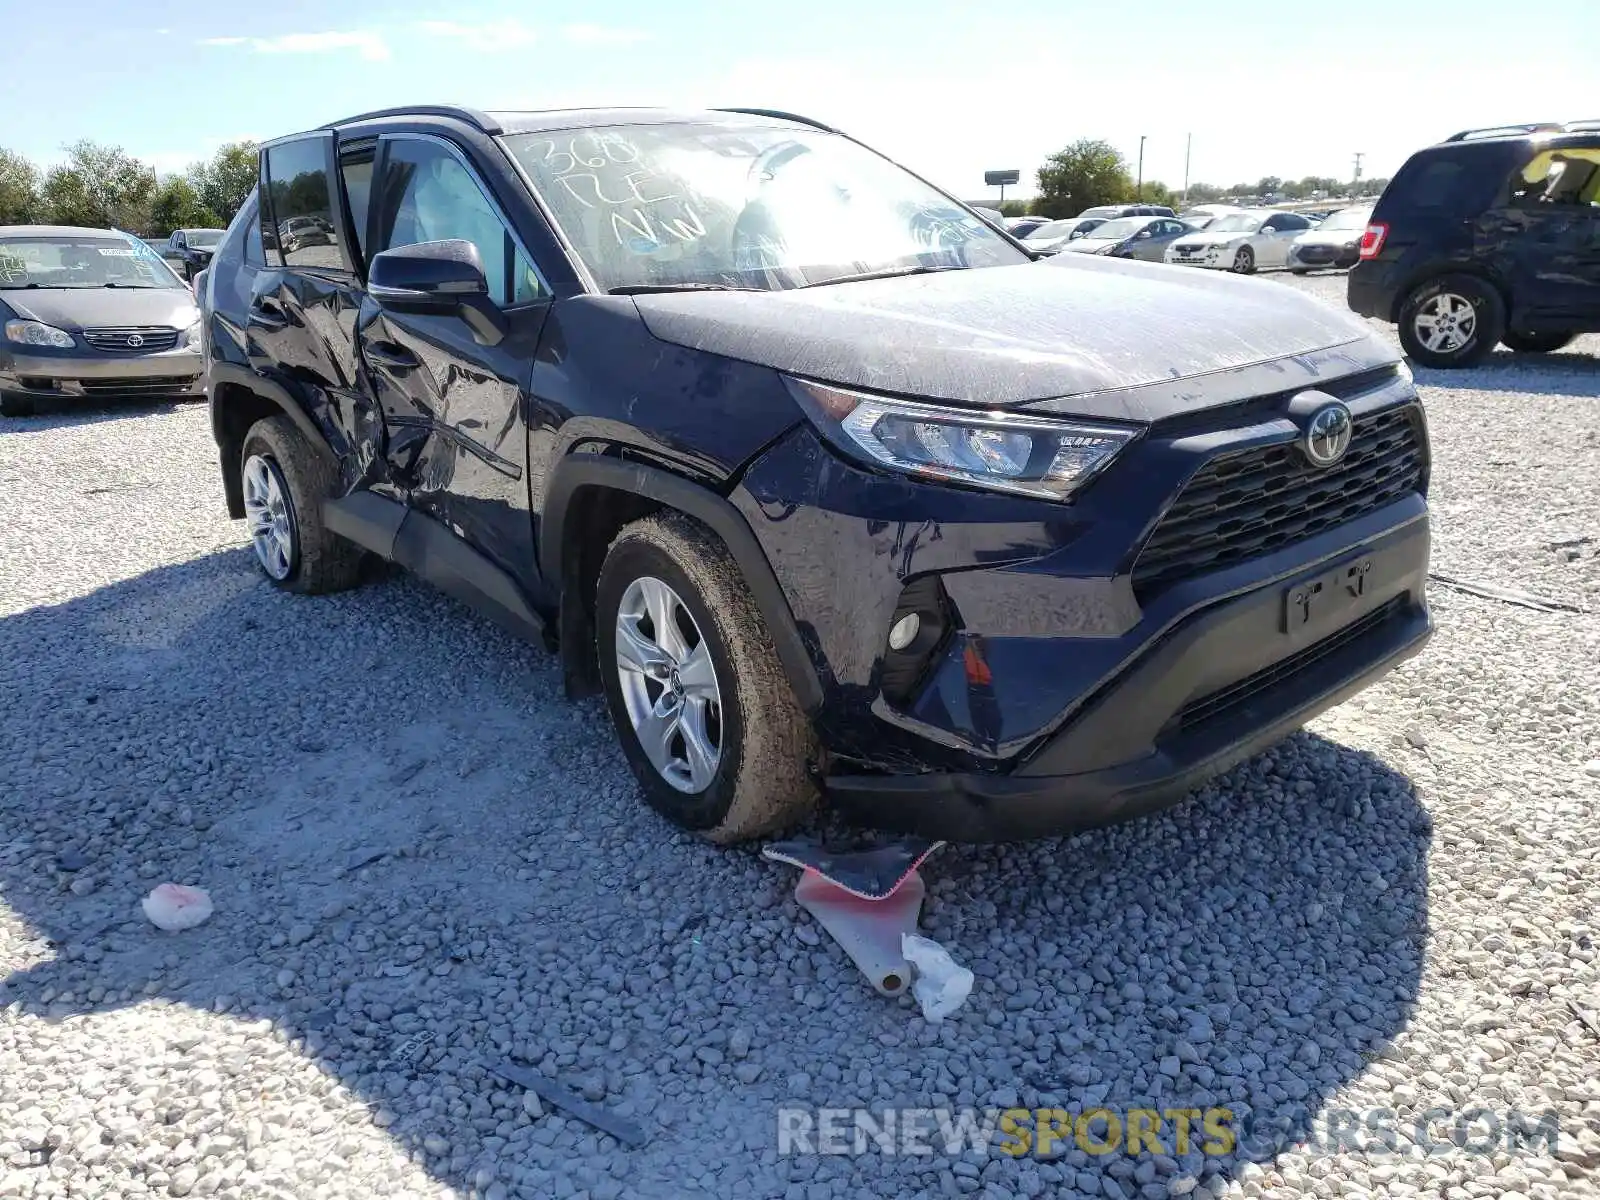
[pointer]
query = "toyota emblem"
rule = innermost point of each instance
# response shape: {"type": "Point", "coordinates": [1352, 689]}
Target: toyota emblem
{"type": "Point", "coordinates": [135, 340]}
{"type": "Point", "coordinates": [1327, 435]}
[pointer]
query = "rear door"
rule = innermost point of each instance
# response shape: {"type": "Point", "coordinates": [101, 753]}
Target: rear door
{"type": "Point", "coordinates": [1279, 231]}
{"type": "Point", "coordinates": [301, 317]}
{"type": "Point", "coordinates": [455, 410]}
{"type": "Point", "coordinates": [1546, 236]}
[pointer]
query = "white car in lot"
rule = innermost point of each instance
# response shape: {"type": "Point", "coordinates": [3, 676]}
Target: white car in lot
{"type": "Point", "coordinates": [1243, 242]}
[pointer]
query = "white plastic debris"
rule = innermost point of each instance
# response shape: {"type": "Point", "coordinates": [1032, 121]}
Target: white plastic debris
{"type": "Point", "coordinates": [174, 906]}
{"type": "Point", "coordinates": [942, 984]}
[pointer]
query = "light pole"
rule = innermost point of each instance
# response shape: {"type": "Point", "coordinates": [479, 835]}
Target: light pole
{"type": "Point", "coordinates": [1188, 145]}
{"type": "Point", "coordinates": [1138, 188]}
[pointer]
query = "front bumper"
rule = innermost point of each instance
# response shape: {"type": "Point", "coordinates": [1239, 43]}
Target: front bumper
{"type": "Point", "coordinates": [1224, 685]}
{"type": "Point", "coordinates": [77, 375]}
{"type": "Point", "coordinates": [1324, 256]}
{"type": "Point", "coordinates": [1215, 257]}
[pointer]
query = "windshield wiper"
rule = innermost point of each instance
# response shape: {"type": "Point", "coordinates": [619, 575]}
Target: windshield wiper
{"type": "Point", "coordinates": [886, 273]}
{"type": "Point", "coordinates": [650, 289]}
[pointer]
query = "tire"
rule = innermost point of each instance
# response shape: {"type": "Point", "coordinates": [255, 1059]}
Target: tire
{"type": "Point", "coordinates": [16, 406]}
{"type": "Point", "coordinates": [1475, 315]}
{"type": "Point", "coordinates": [760, 781]}
{"type": "Point", "coordinates": [1299, 270]}
{"type": "Point", "coordinates": [1244, 262]}
{"type": "Point", "coordinates": [277, 462]}
{"type": "Point", "coordinates": [1535, 343]}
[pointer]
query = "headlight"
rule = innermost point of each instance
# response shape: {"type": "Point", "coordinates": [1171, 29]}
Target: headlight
{"type": "Point", "coordinates": [37, 333]}
{"type": "Point", "coordinates": [1111, 249]}
{"type": "Point", "coordinates": [1008, 452]}
{"type": "Point", "coordinates": [191, 335]}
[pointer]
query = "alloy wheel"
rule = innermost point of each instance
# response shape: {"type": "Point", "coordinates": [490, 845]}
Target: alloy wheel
{"type": "Point", "coordinates": [669, 684]}
{"type": "Point", "coordinates": [267, 515]}
{"type": "Point", "coordinates": [1445, 323]}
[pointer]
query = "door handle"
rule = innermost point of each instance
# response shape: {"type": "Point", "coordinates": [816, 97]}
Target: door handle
{"type": "Point", "coordinates": [395, 358]}
{"type": "Point", "coordinates": [264, 315]}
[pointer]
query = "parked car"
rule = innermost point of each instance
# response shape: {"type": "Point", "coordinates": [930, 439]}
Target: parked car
{"type": "Point", "coordinates": [824, 483]}
{"type": "Point", "coordinates": [1112, 211]}
{"type": "Point", "coordinates": [1243, 242]}
{"type": "Point", "coordinates": [1021, 227]}
{"type": "Point", "coordinates": [1131, 237]}
{"type": "Point", "coordinates": [192, 249]}
{"type": "Point", "coordinates": [1335, 241]}
{"type": "Point", "coordinates": [92, 314]}
{"type": "Point", "coordinates": [1055, 235]}
{"type": "Point", "coordinates": [1490, 236]}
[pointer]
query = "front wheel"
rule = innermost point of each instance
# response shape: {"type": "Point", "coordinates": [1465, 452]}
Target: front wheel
{"type": "Point", "coordinates": [706, 717]}
{"type": "Point", "coordinates": [1535, 343]}
{"type": "Point", "coordinates": [1244, 262]}
{"type": "Point", "coordinates": [1452, 321]}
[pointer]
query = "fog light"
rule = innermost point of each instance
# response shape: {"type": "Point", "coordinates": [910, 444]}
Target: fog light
{"type": "Point", "coordinates": [904, 631]}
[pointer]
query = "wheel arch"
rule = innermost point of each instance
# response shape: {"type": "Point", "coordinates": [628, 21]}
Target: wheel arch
{"type": "Point", "coordinates": [240, 398]}
{"type": "Point", "coordinates": [589, 498]}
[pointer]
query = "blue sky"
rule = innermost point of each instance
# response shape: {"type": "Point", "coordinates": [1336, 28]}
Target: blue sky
{"type": "Point", "coordinates": [949, 89]}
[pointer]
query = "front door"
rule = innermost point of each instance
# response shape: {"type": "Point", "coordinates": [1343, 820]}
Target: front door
{"type": "Point", "coordinates": [454, 409]}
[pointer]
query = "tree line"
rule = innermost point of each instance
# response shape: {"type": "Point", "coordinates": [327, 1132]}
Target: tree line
{"type": "Point", "coordinates": [104, 187]}
{"type": "Point", "coordinates": [1091, 172]}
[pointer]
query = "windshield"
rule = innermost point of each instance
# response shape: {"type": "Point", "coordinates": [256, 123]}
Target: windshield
{"type": "Point", "coordinates": [203, 237]}
{"type": "Point", "coordinates": [1347, 218]}
{"type": "Point", "coordinates": [744, 207]}
{"type": "Point", "coordinates": [1237, 223]}
{"type": "Point", "coordinates": [1050, 230]}
{"type": "Point", "coordinates": [1117, 230]}
{"type": "Point", "coordinates": [81, 262]}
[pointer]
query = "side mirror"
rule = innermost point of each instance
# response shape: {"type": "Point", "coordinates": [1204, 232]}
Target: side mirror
{"type": "Point", "coordinates": [444, 278]}
{"type": "Point", "coordinates": [1143, 233]}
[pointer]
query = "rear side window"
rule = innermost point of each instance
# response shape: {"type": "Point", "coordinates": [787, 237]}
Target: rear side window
{"type": "Point", "coordinates": [1456, 183]}
{"type": "Point", "coordinates": [301, 204]}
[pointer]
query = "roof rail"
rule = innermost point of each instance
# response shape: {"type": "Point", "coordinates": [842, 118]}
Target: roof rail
{"type": "Point", "coordinates": [471, 116]}
{"type": "Point", "coordinates": [1506, 132]}
{"type": "Point", "coordinates": [780, 115]}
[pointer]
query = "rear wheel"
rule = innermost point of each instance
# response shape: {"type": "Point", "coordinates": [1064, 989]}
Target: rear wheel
{"type": "Point", "coordinates": [1535, 343]}
{"type": "Point", "coordinates": [1452, 321]}
{"type": "Point", "coordinates": [706, 718]}
{"type": "Point", "coordinates": [1244, 262]}
{"type": "Point", "coordinates": [285, 482]}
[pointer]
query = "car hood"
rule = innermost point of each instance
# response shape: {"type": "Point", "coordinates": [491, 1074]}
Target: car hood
{"type": "Point", "coordinates": [1075, 325]}
{"type": "Point", "coordinates": [1088, 244]}
{"type": "Point", "coordinates": [1328, 237]}
{"type": "Point", "coordinates": [93, 308]}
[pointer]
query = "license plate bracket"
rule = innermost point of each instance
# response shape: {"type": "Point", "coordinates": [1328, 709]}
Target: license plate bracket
{"type": "Point", "coordinates": [1323, 599]}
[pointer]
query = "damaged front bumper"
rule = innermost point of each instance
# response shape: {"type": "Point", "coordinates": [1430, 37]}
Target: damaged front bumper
{"type": "Point", "coordinates": [1060, 690]}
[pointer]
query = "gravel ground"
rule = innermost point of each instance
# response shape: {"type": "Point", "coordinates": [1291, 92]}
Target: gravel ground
{"type": "Point", "coordinates": [407, 831]}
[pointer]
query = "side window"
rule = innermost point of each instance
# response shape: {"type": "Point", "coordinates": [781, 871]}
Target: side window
{"type": "Point", "coordinates": [1436, 184]}
{"type": "Point", "coordinates": [1293, 223]}
{"type": "Point", "coordinates": [302, 209]}
{"type": "Point", "coordinates": [1558, 177]}
{"type": "Point", "coordinates": [244, 232]}
{"type": "Point", "coordinates": [429, 196]}
{"type": "Point", "coordinates": [183, 243]}
{"type": "Point", "coordinates": [357, 193]}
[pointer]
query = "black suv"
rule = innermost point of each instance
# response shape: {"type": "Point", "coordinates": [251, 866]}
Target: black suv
{"type": "Point", "coordinates": [825, 483]}
{"type": "Point", "coordinates": [1492, 236]}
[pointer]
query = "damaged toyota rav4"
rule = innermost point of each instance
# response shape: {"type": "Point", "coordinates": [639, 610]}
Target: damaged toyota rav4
{"type": "Point", "coordinates": [826, 484]}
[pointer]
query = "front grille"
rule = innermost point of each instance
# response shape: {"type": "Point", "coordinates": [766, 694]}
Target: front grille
{"type": "Point", "coordinates": [133, 340]}
{"type": "Point", "coordinates": [1316, 253]}
{"type": "Point", "coordinates": [1197, 712]}
{"type": "Point", "coordinates": [1186, 248]}
{"type": "Point", "coordinates": [184, 386]}
{"type": "Point", "coordinates": [1251, 502]}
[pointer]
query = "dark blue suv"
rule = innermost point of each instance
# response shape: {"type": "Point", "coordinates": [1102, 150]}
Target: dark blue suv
{"type": "Point", "coordinates": [826, 484]}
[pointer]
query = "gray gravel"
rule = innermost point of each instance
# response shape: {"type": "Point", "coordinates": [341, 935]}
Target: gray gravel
{"type": "Point", "coordinates": [422, 856]}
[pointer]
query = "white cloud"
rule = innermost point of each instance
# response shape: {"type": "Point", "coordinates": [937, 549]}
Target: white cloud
{"type": "Point", "coordinates": [603, 35]}
{"type": "Point", "coordinates": [365, 42]}
{"type": "Point", "coordinates": [484, 36]}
